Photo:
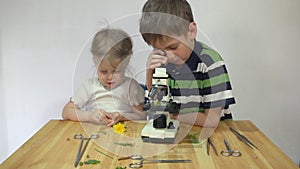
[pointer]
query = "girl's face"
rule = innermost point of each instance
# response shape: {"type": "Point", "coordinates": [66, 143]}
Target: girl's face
{"type": "Point", "coordinates": [111, 76]}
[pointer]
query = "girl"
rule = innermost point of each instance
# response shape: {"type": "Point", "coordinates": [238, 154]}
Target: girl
{"type": "Point", "coordinates": [111, 97]}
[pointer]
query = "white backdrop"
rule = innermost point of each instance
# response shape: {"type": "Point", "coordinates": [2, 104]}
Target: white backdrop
{"type": "Point", "coordinates": [43, 54]}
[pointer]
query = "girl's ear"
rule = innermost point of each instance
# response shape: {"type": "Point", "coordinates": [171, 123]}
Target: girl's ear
{"type": "Point", "coordinates": [192, 30]}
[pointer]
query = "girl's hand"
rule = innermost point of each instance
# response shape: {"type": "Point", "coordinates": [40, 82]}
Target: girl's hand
{"type": "Point", "coordinates": [99, 117]}
{"type": "Point", "coordinates": [115, 117]}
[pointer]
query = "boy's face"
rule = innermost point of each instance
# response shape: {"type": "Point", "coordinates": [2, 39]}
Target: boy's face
{"type": "Point", "coordinates": [178, 48]}
{"type": "Point", "coordinates": [111, 76]}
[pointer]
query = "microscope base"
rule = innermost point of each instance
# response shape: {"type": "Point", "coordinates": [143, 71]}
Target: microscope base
{"type": "Point", "coordinates": [163, 136]}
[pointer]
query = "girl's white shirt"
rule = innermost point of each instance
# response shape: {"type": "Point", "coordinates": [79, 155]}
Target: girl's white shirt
{"type": "Point", "coordinates": [93, 96]}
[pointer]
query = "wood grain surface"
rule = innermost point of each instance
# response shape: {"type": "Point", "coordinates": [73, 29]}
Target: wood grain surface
{"type": "Point", "coordinates": [53, 146]}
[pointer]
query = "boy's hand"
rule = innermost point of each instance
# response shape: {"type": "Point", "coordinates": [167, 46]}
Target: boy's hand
{"type": "Point", "coordinates": [156, 59]}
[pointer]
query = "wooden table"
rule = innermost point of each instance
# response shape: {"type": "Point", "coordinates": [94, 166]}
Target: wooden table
{"type": "Point", "coordinates": [54, 147]}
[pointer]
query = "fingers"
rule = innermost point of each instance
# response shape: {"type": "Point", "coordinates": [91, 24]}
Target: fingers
{"type": "Point", "coordinates": [103, 116]}
{"type": "Point", "coordinates": [109, 118]}
{"type": "Point", "coordinates": [115, 117]}
{"type": "Point", "coordinates": [156, 59]}
{"type": "Point", "coordinates": [111, 123]}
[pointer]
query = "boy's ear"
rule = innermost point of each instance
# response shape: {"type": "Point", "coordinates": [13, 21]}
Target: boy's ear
{"type": "Point", "coordinates": [192, 30]}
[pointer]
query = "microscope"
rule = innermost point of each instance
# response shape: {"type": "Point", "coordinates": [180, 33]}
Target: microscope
{"type": "Point", "coordinates": [160, 128]}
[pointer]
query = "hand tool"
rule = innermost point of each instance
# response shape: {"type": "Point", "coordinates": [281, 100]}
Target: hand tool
{"type": "Point", "coordinates": [80, 150]}
{"type": "Point", "coordinates": [210, 144]}
{"type": "Point", "coordinates": [243, 138]}
{"type": "Point", "coordinates": [138, 161]}
{"type": "Point", "coordinates": [229, 152]}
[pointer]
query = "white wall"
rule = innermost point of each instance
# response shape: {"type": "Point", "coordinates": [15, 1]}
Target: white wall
{"type": "Point", "coordinates": [259, 41]}
{"type": "Point", "coordinates": [42, 51]}
{"type": "Point", "coordinates": [3, 129]}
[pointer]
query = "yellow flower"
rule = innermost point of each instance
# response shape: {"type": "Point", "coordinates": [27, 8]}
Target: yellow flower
{"type": "Point", "coordinates": [119, 128]}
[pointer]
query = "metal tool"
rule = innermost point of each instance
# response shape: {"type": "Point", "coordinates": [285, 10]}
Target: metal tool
{"type": "Point", "coordinates": [80, 150]}
{"type": "Point", "coordinates": [229, 152]}
{"type": "Point", "coordinates": [138, 161]}
{"type": "Point", "coordinates": [210, 144]}
{"type": "Point", "coordinates": [243, 138]}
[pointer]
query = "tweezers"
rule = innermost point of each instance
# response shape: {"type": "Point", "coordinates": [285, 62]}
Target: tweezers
{"type": "Point", "coordinates": [208, 144]}
{"type": "Point", "coordinates": [243, 138]}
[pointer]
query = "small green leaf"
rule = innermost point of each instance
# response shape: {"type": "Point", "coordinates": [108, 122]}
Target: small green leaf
{"type": "Point", "coordinates": [120, 167]}
{"type": "Point", "coordinates": [124, 144]}
{"type": "Point", "coordinates": [92, 162]}
{"type": "Point", "coordinates": [193, 141]}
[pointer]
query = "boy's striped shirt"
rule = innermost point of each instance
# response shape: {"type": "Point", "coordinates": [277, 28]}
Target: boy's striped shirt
{"type": "Point", "coordinates": [202, 82]}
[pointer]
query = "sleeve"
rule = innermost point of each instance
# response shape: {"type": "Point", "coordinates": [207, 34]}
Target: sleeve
{"type": "Point", "coordinates": [82, 95]}
{"type": "Point", "coordinates": [136, 93]}
{"type": "Point", "coordinates": [216, 86]}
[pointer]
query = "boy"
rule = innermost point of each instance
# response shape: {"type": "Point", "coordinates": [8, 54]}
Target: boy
{"type": "Point", "coordinates": [197, 73]}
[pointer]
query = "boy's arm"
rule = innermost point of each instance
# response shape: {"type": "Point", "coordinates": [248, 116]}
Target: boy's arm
{"type": "Point", "coordinates": [149, 75]}
{"type": "Point", "coordinates": [210, 118]}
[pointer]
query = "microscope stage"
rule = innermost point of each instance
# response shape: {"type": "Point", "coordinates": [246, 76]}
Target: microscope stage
{"type": "Point", "coordinates": [153, 135]}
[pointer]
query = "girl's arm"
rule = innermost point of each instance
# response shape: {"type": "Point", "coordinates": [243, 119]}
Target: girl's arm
{"type": "Point", "coordinates": [72, 112]}
{"type": "Point", "coordinates": [137, 114]}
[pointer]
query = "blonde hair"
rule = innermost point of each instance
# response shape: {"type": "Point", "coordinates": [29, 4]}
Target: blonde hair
{"type": "Point", "coordinates": [111, 45]}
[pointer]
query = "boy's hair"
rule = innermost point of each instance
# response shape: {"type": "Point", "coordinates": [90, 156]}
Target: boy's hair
{"type": "Point", "coordinates": [111, 44]}
{"type": "Point", "coordinates": [165, 18]}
